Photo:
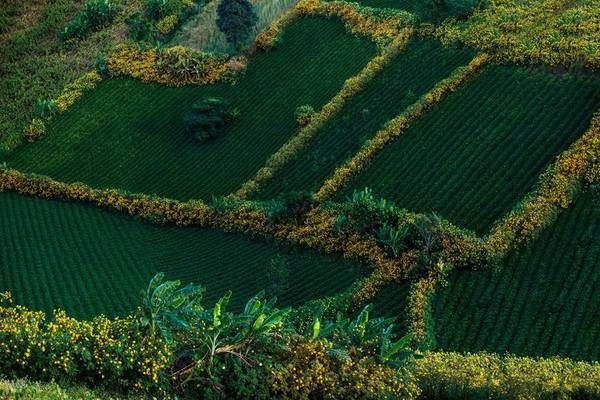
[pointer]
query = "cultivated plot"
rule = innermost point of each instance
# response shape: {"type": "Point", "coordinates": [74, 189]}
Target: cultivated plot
{"type": "Point", "coordinates": [413, 72]}
{"type": "Point", "coordinates": [478, 152]}
{"type": "Point", "coordinates": [543, 302]}
{"type": "Point", "coordinates": [88, 261]}
{"type": "Point", "coordinates": [130, 135]}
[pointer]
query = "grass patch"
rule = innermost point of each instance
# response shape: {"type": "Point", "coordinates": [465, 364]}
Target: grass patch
{"type": "Point", "coordinates": [130, 135]}
{"type": "Point", "coordinates": [475, 155]}
{"type": "Point", "coordinates": [88, 261]}
{"type": "Point", "coordinates": [544, 302]}
{"type": "Point", "coordinates": [36, 65]}
{"type": "Point", "coordinates": [413, 72]}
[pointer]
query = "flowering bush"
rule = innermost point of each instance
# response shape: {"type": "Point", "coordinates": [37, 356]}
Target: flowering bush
{"type": "Point", "coordinates": [112, 351]}
{"type": "Point", "coordinates": [175, 66]}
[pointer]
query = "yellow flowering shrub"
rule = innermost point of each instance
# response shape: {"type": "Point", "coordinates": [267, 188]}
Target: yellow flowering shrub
{"type": "Point", "coordinates": [396, 126]}
{"type": "Point", "coordinates": [463, 376]}
{"type": "Point", "coordinates": [554, 32]}
{"type": "Point", "coordinates": [310, 373]}
{"type": "Point", "coordinates": [111, 352]}
{"type": "Point", "coordinates": [174, 66]}
{"type": "Point", "coordinates": [167, 24]}
{"type": "Point", "coordinates": [34, 130]}
{"type": "Point", "coordinates": [75, 90]}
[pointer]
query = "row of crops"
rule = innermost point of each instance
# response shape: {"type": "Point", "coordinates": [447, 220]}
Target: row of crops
{"type": "Point", "coordinates": [477, 153]}
{"type": "Point", "coordinates": [87, 261]}
{"type": "Point", "coordinates": [543, 301]}
{"type": "Point", "coordinates": [130, 135]}
{"type": "Point", "coordinates": [412, 73]}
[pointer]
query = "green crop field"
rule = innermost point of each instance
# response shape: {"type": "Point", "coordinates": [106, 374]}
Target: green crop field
{"type": "Point", "coordinates": [412, 73]}
{"type": "Point", "coordinates": [472, 158]}
{"type": "Point", "coordinates": [544, 300]}
{"type": "Point", "coordinates": [431, 162]}
{"type": "Point", "coordinates": [129, 135]}
{"type": "Point", "coordinates": [87, 261]}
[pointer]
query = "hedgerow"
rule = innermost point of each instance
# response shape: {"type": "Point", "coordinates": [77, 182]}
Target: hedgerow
{"type": "Point", "coordinates": [492, 376]}
{"type": "Point", "coordinates": [553, 32]}
{"type": "Point", "coordinates": [175, 66]}
{"type": "Point", "coordinates": [396, 126]}
{"type": "Point", "coordinates": [556, 189]}
{"type": "Point", "coordinates": [350, 88]}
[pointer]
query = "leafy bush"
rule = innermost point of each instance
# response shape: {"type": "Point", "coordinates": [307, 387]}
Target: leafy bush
{"type": "Point", "coordinates": [94, 15]}
{"type": "Point", "coordinates": [138, 27]}
{"type": "Point", "coordinates": [157, 9]}
{"type": "Point", "coordinates": [438, 10]}
{"type": "Point", "coordinates": [304, 114]}
{"type": "Point", "coordinates": [208, 119]}
{"type": "Point", "coordinates": [236, 20]}
{"type": "Point", "coordinates": [45, 108]}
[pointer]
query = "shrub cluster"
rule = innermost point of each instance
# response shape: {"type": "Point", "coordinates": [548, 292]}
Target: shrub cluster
{"type": "Point", "coordinates": [94, 15]}
{"type": "Point", "coordinates": [208, 119]}
{"type": "Point", "coordinates": [397, 125]}
{"type": "Point", "coordinates": [532, 31]}
{"type": "Point", "coordinates": [174, 66]}
{"type": "Point", "coordinates": [351, 86]}
{"type": "Point", "coordinates": [115, 351]}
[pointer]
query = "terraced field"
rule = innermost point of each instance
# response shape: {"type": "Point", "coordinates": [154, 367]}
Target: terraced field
{"type": "Point", "coordinates": [412, 73]}
{"type": "Point", "coordinates": [88, 261]}
{"type": "Point", "coordinates": [130, 135]}
{"type": "Point", "coordinates": [544, 301]}
{"type": "Point", "coordinates": [476, 154]}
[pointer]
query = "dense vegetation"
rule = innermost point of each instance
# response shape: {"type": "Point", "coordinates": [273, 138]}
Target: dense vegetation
{"type": "Point", "coordinates": [87, 262]}
{"type": "Point", "coordinates": [412, 73]}
{"type": "Point", "coordinates": [412, 180]}
{"type": "Point", "coordinates": [139, 128]}
{"type": "Point", "coordinates": [472, 169]}
{"type": "Point", "coordinates": [543, 301]}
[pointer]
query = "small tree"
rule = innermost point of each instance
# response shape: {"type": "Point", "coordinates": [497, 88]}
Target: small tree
{"type": "Point", "coordinates": [208, 118]}
{"type": "Point", "coordinates": [236, 20]}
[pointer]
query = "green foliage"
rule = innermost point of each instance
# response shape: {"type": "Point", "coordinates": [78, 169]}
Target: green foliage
{"type": "Point", "coordinates": [236, 20]}
{"type": "Point", "coordinates": [304, 114]}
{"type": "Point", "coordinates": [94, 15]}
{"type": "Point", "coordinates": [157, 9]}
{"type": "Point", "coordinates": [209, 119]}
{"type": "Point", "coordinates": [494, 145]}
{"type": "Point", "coordinates": [289, 207]}
{"type": "Point", "coordinates": [139, 28]}
{"type": "Point", "coordinates": [409, 75]}
{"type": "Point", "coordinates": [438, 10]}
{"type": "Point", "coordinates": [45, 108]}
{"type": "Point", "coordinates": [166, 307]}
{"type": "Point", "coordinates": [149, 134]}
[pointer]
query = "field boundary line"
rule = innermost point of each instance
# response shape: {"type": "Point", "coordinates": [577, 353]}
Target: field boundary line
{"type": "Point", "coordinates": [555, 190]}
{"type": "Point", "coordinates": [350, 87]}
{"type": "Point", "coordinates": [396, 126]}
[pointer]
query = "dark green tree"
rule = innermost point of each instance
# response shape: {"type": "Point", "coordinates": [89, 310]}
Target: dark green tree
{"type": "Point", "coordinates": [236, 20]}
{"type": "Point", "coordinates": [208, 118]}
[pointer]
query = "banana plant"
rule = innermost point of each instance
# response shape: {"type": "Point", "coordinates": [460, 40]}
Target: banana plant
{"type": "Point", "coordinates": [167, 307]}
